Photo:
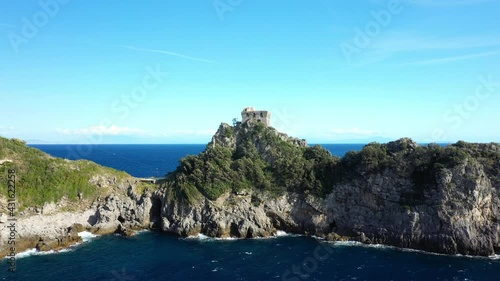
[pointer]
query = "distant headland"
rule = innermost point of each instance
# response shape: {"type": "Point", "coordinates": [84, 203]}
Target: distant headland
{"type": "Point", "coordinates": [252, 181]}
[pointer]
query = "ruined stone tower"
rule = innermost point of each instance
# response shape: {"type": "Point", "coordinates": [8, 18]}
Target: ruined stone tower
{"type": "Point", "coordinates": [249, 114]}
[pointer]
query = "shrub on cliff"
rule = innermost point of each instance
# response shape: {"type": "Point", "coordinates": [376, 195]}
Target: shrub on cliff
{"type": "Point", "coordinates": [41, 178]}
{"type": "Point", "coordinates": [261, 160]}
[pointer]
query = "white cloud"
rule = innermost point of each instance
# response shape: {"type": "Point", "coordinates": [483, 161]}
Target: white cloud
{"type": "Point", "coordinates": [456, 58]}
{"type": "Point", "coordinates": [397, 43]}
{"type": "Point", "coordinates": [6, 25]}
{"type": "Point", "coordinates": [102, 130]}
{"type": "Point", "coordinates": [446, 2]}
{"type": "Point", "coordinates": [168, 53]}
{"type": "Point", "coordinates": [126, 131]}
{"type": "Point", "coordinates": [9, 128]}
{"type": "Point", "coordinates": [204, 132]}
{"type": "Point", "coordinates": [405, 42]}
{"type": "Point", "coordinates": [354, 131]}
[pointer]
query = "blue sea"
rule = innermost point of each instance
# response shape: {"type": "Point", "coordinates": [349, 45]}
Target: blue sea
{"type": "Point", "coordinates": [158, 256]}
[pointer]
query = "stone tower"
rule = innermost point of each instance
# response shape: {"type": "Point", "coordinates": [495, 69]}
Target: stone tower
{"type": "Point", "coordinates": [249, 114]}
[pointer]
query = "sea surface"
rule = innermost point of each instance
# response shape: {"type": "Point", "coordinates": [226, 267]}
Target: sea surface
{"type": "Point", "coordinates": [157, 256]}
{"type": "Point", "coordinates": [147, 160]}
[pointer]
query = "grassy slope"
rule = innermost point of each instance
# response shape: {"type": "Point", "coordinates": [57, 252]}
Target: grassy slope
{"type": "Point", "coordinates": [42, 178]}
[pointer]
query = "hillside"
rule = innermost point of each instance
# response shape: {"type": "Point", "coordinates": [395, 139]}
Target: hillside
{"type": "Point", "coordinates": [57, 198]}
{"type": "Point", "coordinates": [255, 157]}
{"type": "Point", "coordinates": [244, 158]}
{"type": "Point", "coordinates": [252, 180]}
{"type": "Point", "coordinates": [42, 178]}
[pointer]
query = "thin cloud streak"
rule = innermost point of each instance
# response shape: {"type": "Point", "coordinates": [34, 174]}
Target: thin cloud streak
{"type": "Point", "coordinates": [453, 59]}
{"type": "Point", "coordinates": [446, 2]}
{"type": "Point", "coordinates": [397, 43]}
{"type": "Point", "coordinates": [7, 25]}
{"type": "Point", "coordinates": [168, 53]}
{"type": "Point", "coordinates": [403, 43]}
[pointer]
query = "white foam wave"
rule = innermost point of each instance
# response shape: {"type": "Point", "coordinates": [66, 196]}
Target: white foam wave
{"type": "Point", "coordinates": [226, 238]}
{"type": "Point", "coordinates": [346, 243]}
{"type": "Point", "coordinates": [278, 234]}
{"type": "Point", "coordinates": [86, 236]}
{"type": "Point", "coordinates": [203, 237]}
{"type": "Point", "coordinates": [35, 252]}
{"type": "Point", "coordinates": [141, 231]}
{"type": "Point", "coordinates": [381, 246]}
{"type": "Point", "coordinates": [281, 233]}
{"type": "Point", "coordinates": [199, 236]}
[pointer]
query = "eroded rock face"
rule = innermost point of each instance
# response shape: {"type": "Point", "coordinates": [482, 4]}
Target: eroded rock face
{"type": "Point", "coordinates": [241, 217]}
{"type": "Point", "coordinates": [456, 216]}
{"type": "Point", "coordinates": [371, 210]}
{"type": "Point", "coordinates": [51, 229]}
{"type": "Point", "coordinates": [399, 194]}
{"type": "Point", "coordinates": [123, 214]}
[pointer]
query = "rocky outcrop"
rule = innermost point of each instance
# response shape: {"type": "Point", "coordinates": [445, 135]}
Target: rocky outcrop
{"type": "Point", "coordinates": [431, 198]}
{"type": "Point", "coordinates": [122, 214]}
{"type": "Point", "coordinates": [458, 215]}
{"type": "Point", "coordinates": [436, 199]}
{"type": "Point", "coordinates": [52, 229]}
{"type": "Point", "coordinates": [245, 216]}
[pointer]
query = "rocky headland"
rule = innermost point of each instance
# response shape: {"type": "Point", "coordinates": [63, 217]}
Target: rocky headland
{"type": "Point", "coordinates": [252, 181]}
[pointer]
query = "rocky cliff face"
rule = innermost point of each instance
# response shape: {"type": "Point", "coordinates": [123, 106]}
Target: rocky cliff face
{"type": "Point", "coordinates": [123, 211]}
{"type": "Point", "coordinates": [252, 181]}
{"type": "Point", "coordinates": [431, 198]}
{"type": "Point", "coordinates": [457, 215]}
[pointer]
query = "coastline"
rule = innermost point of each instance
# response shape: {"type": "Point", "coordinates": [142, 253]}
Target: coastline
{"type": "Point", "coordinates": [280, 234]}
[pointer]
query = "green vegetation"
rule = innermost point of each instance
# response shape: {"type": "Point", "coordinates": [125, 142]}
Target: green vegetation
{"type": "Point", "coordinates": [41, 178]}
{"type": "Point", "coordinates": [263, 161]}
{"type": "Point", "coordinates": [256, 158]}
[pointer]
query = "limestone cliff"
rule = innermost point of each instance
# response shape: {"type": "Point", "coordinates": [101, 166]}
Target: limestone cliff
{"type": "Point", "coordinates": [57, 198]}
{"type": "Point", "coordinates": [431, 198]}
{"type": "Point", "coordinates": [252, 181]}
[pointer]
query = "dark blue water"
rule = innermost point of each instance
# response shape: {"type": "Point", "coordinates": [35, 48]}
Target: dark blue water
{"type": "Point", "coordinates": [139, 160]}
{"type": "Point", "coordinates": [148, 160]}
{"type": "Point", "coordinates": [155, 256]}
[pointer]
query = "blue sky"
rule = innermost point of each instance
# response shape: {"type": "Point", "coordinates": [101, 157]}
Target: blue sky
{"type": "Point", "coordinates": [172, 71]}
